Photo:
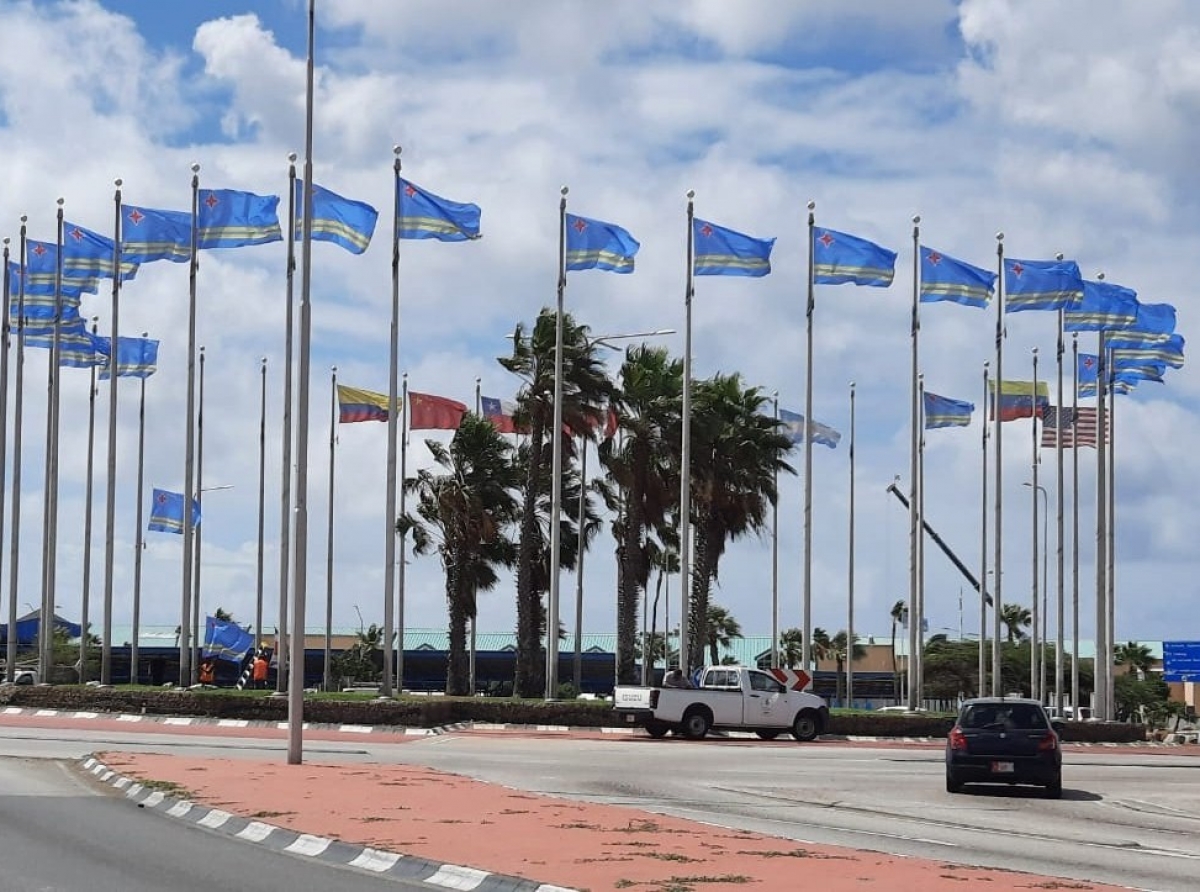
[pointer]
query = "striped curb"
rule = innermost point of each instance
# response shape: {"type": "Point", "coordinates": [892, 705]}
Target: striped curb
{"type": "Point", "coordinates": [331, 851]}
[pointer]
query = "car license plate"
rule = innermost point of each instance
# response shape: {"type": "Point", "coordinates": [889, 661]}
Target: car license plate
{"type": "Point", "coordinates": [630, 718]}
{"type": "Point", "coordinates": [1002, 768]}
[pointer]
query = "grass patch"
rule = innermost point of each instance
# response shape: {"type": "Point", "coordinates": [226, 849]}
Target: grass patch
{"type": "Point", "coordinates": [168, 788]}
{"type": "Point", "coordinates": [271, 814]}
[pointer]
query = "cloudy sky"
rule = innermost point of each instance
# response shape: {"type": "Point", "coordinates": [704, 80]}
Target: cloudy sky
{"type": "Point", "coordinates": [1069, 125]}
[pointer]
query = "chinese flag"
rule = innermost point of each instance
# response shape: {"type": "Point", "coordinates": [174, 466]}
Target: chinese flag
{"type": "Point", "coordinates": [429, 412]}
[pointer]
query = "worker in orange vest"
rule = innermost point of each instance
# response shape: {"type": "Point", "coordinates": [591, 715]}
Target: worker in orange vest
{"type": "Point", "coordinates": [260, 672]}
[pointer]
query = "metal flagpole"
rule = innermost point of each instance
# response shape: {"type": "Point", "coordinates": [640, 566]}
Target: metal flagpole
{"type": "Point", "coordinates": [775, 556]}
{"type": "Point", "coordinates": [262, 502]}
{"type": "Point", "coordinates": [806, 648]}
{"type": "Point", "coordinates": [50, 516]}
{"type": "Point", "coordinates": [914, 518]}
{"type": "Point", "coordinates": [998, 563]}
{"type": "Point", "coordinates": [138, 539]}
{"type": "Point", "coordinates": [197, 635]}
{"type": "Point", "coordinates": [1034, 689]}
{"type": "Point", "coordinates": [685, 463]}
{"type": "Point", "coordinates": [10, 661]}
{"type": "Point", "coordinates": [1062, 570]}
{"type": "Point", "coordinates": [475, 603]}
{"type": "Point", "coordinates": [556, 462]}
{"type": "Point", "coordinates": [404, 544]}
{"type": "Point", "coordinates": [87, 508]}
{"type": "Point", "coordinates": [1100, 670]}
{"type": "Point", "coordinates": [1075, 525]}
{"type": "Point", "coordinates": [189, 489]}
{"type": "Point", "coordinates": [919, 623]}
{"type": "Point", "coordinates": [300, 567]}
{"type": "Point", "coordinates": [850, 639]}
{"type": "Point", "coordinates": [1110, 433]}
{"type": "Point", "coordinates": [5, 334]}
{"type": "Point", "coordinates": [389, 511]}
{"type": "Point", "coordinates": [580, 546]}
{"type": "Point", "coordinates": [983, 531]}
{"type": "Point", "coordinates": [327, 673]}
{"type": "Point", "coordinates": [110, 506]}
{"type": "Point", "coordinates": [285, 483]}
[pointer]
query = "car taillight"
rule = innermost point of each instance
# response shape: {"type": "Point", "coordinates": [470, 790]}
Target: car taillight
{"type": "Point", "coordinates": [958, 740]}
{"type": "Point", "coordinates": [1048, 744]}
{"type": "Point", "coordinates": [654, 699]}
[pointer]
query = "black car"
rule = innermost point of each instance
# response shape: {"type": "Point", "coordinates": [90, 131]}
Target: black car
{"type": "Point", "coordinates": [1004, 741]}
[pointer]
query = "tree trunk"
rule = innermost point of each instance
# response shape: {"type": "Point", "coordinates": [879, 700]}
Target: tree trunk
{"type": "Point", "coordinates": [530, 673]}
{"type": "Point", "coordinates": [699, 587]}
{"type": "Point", "coordinates": [629, 588]}
{"type": "Point", "coordinates": [458, 669]}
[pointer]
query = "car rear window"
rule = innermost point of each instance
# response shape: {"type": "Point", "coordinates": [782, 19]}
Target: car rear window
{"type": "Point", "coordinates": [1004, 716]}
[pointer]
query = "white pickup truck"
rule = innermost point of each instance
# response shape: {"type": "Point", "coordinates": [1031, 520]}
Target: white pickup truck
{"type": "Point", "coordinates": [728, 698]}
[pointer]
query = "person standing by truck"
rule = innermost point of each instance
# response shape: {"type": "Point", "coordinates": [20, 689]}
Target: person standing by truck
{"type": "Point", "coordinates": [676, 679]}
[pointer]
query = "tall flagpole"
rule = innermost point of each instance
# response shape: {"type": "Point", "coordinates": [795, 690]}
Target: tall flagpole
{"type": "Point", "coordinates": [775, 556]}
{"type": "Point", "coordinates": [1110, 639]}
{"type": "Point", "coordinates": [1035, 690]}
{"type": "Point", "coordinates": [1061, 557]}
{"type": "Point", "coordinates": [556, 462]}
{"type": "Point", "coordinates": [983, 531]}
{"type": "Point", "coordinates": [998, 563]}
{"type": "Point", "coordinates": [806, 648]}
{"type": "Point", "coordinates": [189, 489]}
{"type": "Point", "coordinates": [5, 334]}
{"type": "Point", "coordinates": [87, 509]}
{"type": "Point", "coordinates": [389, 511]}
{"type": "Point", "coordinates": [197, 531]}
{"type": "Point", "coordinates": [300, 566]}
{"type": "Point", "coordinates": [1075, 525]}
{"type": "Point", "coordinates": [400, 570]}
{"type": "Point", "coordinates": [685, 461]}
{"type": "Point", "coordinates": [10, 661]}
{"type": "Point", "coordinates": [918, 624]}
{"type": "Point", "coordinates": [262, 503]}
{"type": "Point", "coordinates": [1100, 669]}
{"type": "Point", "coordinates": [580, 548]}
{"type": "Point", "coordinates": [50, 516]}
{"type": "Point", "coordinates": [110, 504]}
{"type": "Point", "coordinates": [285, 483]}
{"type": "Point", "coordinates": [327, 668]}
{"type": "Point", "coordinates": [475, 606]}
{"type": "Point", "coordinates": [138, 538]}
{"type": "Point", "coordinates": [914, 517]}
{"type": "Point", "coordinates": [850, 639]}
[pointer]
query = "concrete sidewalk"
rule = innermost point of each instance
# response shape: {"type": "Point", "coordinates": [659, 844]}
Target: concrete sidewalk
{"type": "Point", "coordinates": [470, 835]}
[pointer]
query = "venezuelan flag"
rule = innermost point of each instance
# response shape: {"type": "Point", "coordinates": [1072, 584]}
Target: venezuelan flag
{"type": "Point", "coordinates": [361, 405]}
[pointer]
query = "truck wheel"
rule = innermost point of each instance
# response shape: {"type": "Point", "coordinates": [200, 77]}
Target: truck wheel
{"type": "Point", "coordinates": [657, 730]}
{"type": "Point", "coordinates": [767, 735]}
{"type": "Point", "coordinates": [807, 726]}
{"type": "Point", "coordinates": [695, 724]}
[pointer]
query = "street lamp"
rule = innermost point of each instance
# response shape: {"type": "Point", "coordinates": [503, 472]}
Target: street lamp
{"type": "Point", "coordinates": [1038, 661]}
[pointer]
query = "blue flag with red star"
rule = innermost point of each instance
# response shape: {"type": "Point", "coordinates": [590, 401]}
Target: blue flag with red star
{"type": "Point", "coordinates": [840, 258]}
{"type": "Point", "coordinates": [594, 244]}
{"type": "Point", "coordinates": [725, 252]}
{"type": "Point", "coordinates": [945, 278]}
{"type": "Point", "coordinates": [148, 235]}
{"type": "Point", "coordinates": [1104, 306]}
{"type": "Point", "coordinates": [89, 254]}
{"type": "Point", "coordinates": [1041, 285]}
{"type": "Point", "coordinates": [343, 221]}
{"type": "Point", "coordinates": [228, 218]}
{"type": "Point", "coordinates": [420, 214]}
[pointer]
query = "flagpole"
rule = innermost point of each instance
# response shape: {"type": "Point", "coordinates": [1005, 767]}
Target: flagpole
{"type": "Point", "coordinates": [87, 509]}
{"type": "Point", "coordinates": [262, 501]}
{"type": "Point", "coordinates": [1111, 553]}
{"type": "Point", "coordinates": [5, 334]}
{"type": "Point", "coordinates": [580, 547]}
{"type": "Point", "coordinates": [475, 602]}
{"type": "Point", "coordinates": [918, 659]}
{"type": "Point", "coordinates": [197, 637]}
{"type": "Point", "coordinates": [1100, 673]}
{"type": "Point", "coordinates": [1061, 557]}
{"type": "Point", "coordinates": [389, 511]}
{"type": "Point", "coordinates": [285, 486]}
{"type": "Point", "coordinates": [300, 557]}
{"type": "Point", "coordinates": [998, 563]}
{"type": "Point", "coordinates": [983, 531]}
{"type": "Point", "coordinates": [1075, 526]}
{"type": "Point", "coordinates": [327, 673]}
{"type": "Point", "coordinates": [806, 648]}
{"type": "Point", "coordinates": [685, 462]}
{"type": "Point", "coordinates": [50, 515]}
{"type": "Point", "coordinates": [139, 534]}
{"type": "Point", "coordinates": [10, 661]}
{"type": "Point", "coordinates": [400, 624]}
{"type": "Point", "coordinates": [185, 601]}
{"type": "Point", "coordinates": [775, 554]}
{"type": "Point", "coordinates": [1034, 688]}
{"type": "Point", "coordinates": [110, 504]}
{"type": "Point", "coordinates": [850, 572]}
{"type": "Point", "coordinates": [556, 462]}
{"type": "Point", "coordinates": [914, 518]}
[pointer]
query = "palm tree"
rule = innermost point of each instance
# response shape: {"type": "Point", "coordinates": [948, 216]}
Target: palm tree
{"type": "Point", "coordinates": [1136, 656]}
{"type": "Point", "coordinates": [791, 647]}
{"type": "Point", "coordinates": [666, 562]}
{"type": "Point", "coordinates": [640, 463]}
{"type": "Point", "coordinates": [822, 645]}
{"type": "Point", "coordinates": [840, 652]}
{"type": "Point", "coordinates": [899, 615]}
{"type": "Point", "coordinates": [720, 628]}
{"type": "Point", "coordinates": [465, 514]}
{"type": "Point", "coordinates": [737, 451]}
{"type": "Point", "coordinates": [586, 391]}
{"type": "Point", "coordinates": [1015, 619]}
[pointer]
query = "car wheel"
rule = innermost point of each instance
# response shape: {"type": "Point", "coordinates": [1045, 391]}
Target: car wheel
{"type": "Point", "coordinates": [1054, 790]}
{"type": "Point", "coordinates": [807, 726]}
{"type": "Point", "coordinates": [767, 735]}
{"type": "Point", "coordinates": [695, 725]}
{"type": "Point", "coordinates": [657, 730]}
{"type": "Point", "coordinates": [952, 784]}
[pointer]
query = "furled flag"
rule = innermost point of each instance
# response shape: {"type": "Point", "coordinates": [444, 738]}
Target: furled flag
{"type": "Point", "coordinates": [943, 278]}
{"type": "Point", "coordinates": [228, 218]}
{"type": "Point", "coordinates": [941, 411]}
{"type": "Point", "coordinates": [136, 357]}
{"type": "Point", "coordinates": [361, 405]}
{"type": "Point", "coordinates": [1041, 285]}
{"type": "Point", "coordinates": [1088, 368]}
{"type": "Point", "coordinates": [148, 235]}
{"type": "Point", "coordinates": [594, 244]}
{"type": "Point", "coordinates": [1169, 351]}
{"type": "Point", "coordinates": [87, 253]}
{"type": "Point", "coordinates": [41, 272]}
{"type": "Point", "coordinates": [500, 413]}
{"type": "Point", "coordinates": [226, 640]}
{"type": "Point", "coordinates": [1077, 427]}
{"type": "Point", "coordinates": [723, 252]}
{"type": "Point", "coordinates": [166, 512]}
{"type": "Point", "coordinates": [428, 412]}
{"type": "Point", "coordinates": [422, 214]}
{"type": "Point", "coordinates": [1017, 399]}
{"type": "Point", "coordinates": [1155, 324]}
{"type": "Point", "coordinates": [839, 257]}
{"type": "Point", "coordinates": [342, 221]}
{"type": "Point", "coordinates": [793, 425]}
{"type": "Point", "coordinates": [1104, 306]}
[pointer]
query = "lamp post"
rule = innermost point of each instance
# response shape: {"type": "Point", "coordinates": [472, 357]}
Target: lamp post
{"type": "Point", "coordinates": [1039, 660]}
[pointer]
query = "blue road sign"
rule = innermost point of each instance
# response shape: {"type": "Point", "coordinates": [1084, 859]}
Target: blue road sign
{"type": "Point", "coordinates": [1181, 661]}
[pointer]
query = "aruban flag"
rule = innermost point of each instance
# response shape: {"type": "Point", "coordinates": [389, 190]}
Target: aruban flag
{"type": "Point", "coordinates": [1077, 427]}
{"type": "Point", "coordinates": [429, 412]}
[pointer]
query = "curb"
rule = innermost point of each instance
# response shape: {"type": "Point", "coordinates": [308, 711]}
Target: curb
{"type": "Point", "coordinates": [319, 848]}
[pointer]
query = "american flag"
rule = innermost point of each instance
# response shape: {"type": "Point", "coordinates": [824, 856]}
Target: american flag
{"type": "Point", "coordinates": [1079, 428]}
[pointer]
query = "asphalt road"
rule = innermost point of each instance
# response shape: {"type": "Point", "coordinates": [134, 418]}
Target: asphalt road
{"type": "Point", "coordinates": [1125, 819]}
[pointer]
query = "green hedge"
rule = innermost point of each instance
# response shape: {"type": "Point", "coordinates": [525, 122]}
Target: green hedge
{"type": "Point", "coordinates": [432, 712]}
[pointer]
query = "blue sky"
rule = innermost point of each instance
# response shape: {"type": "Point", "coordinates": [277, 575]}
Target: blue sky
{"type": "Point", "coordinates": [977, 114]}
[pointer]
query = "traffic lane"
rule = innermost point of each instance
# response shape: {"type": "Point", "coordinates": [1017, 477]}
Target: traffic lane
{"type": "Point", "coordinates": [59, 832]}
{"type": "Point", "coordinates": [888, 800]}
